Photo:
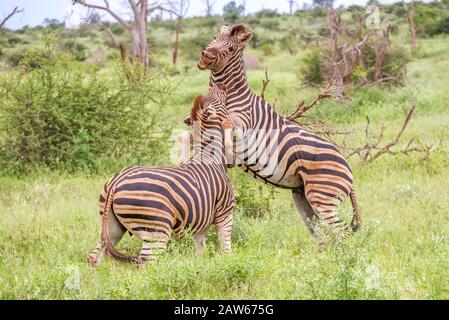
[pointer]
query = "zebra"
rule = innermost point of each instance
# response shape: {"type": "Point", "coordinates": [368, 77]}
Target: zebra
{"type": "Point", "coordinates": [154, 202]}
{"type": "Point", "coordinates": [313, 168]}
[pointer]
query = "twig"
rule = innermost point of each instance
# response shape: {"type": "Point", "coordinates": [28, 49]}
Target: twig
{"type": "Point", "coordinates": [264, 84]}
{"type": "Point", "coordinates": [372, 150]}
{"type": "Point", "coordinates": [331, 91]}
{"type": "Point", "coordinates": [9, 16]}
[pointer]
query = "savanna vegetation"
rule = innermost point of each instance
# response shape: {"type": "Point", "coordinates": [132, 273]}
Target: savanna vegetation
{"type": "Point", "coordinates": [72, 113]}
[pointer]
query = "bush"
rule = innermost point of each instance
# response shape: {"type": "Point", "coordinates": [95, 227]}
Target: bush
{"type": "Point", "coordinates": [289, 43]}
{"type": "Point", "coordinates": [79, 50]}
{"type": "Point", "coordinates": [14, 40]}
{"type": "Point", "coordinates": [426, 19]}
{"type": "Point", "coordinates": [13, 59]}
{"type": "Point", "coordinates": [31, 58]}
{"type": "Point", "coordinates": [267, 13]}
{"type": "Point", "coordinates": [253, 22]}
{"type": "Point", "coordinates": [191, 47]}
{"type": "Point", "coordinates": [267, 49]}
{"type": "Point", "coordinates": [310, 68]}
{"type": "Point", "coordinates": [62, 116]}
{"type": "Point", "coordinates": [394, 64]}
{"type": "Point", "coordinates": [270, 24]}
{"type": "Point", "coordinates": [210, 22]}
{"type": "Point", "coordinates": [441, 27]}
{"type": "Point", "coordinates": [253, 199]}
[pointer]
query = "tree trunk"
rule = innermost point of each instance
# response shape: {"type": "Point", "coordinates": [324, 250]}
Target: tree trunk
{"type": "Point", "coordinates": [175, 50]}
{"type": "Point", "coordinates": [381, 49]}
{"type": "Point", "coordinates": [411, 27]}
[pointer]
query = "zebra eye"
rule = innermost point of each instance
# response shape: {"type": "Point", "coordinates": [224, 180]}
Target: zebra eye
{"type": "Point", "coordinates": [231, 49]}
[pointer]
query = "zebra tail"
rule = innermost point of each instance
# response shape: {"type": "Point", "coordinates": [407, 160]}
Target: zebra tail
{"type": "Point", "coordinates": [356, 222]}
{"type": "Point", "coordinates": [105, 238]}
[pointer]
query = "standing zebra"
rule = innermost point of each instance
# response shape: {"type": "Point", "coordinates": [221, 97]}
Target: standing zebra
{"type": "Point", "coordinates": [274, 149]}
{"type": "Point", "coordinates": [153, 202]}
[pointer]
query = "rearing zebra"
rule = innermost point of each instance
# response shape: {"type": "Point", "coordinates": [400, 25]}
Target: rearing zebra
{"type": "Point", "coordinates": [274, 149]}
{"type": "Point", "coordinates": [153, 202]}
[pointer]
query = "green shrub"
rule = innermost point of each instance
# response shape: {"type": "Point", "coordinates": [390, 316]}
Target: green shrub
{"type": "Point", "coordinates": [14, 40]}
{"type": "Point", "coordinates": [441, 27]}
{"type": "Point", "coordinates": [270, 24]}
{"type": "Point", "coordinates": [394, 63]}
{"type": "Point", "coordinates": [426, 19]}
{"type": "Point", "coordinates": [210, 23]}
{"type": "Point", "coordinates": [78, 49]}
{"type": "Point", "coordinates": [13, 59]}
{"type": "Point", "coordinates": [253, 199]}
{"type": "Point", "coordinates": [267, 13]}
{"type": "Point", "coordinates": [289, 43]}
{"type": "Point", "coordinates": [64, 116]}
{"type": "Point", "coordinates": [253, 22]}
{"type": "Point", "coordinates": [310, 68]}
{"type": "Point", "coordinates": [267, 49]}
{"type": "Point", "coordinates": [31, 58]}
{"type": "Point", "coordinates": [191, 47]}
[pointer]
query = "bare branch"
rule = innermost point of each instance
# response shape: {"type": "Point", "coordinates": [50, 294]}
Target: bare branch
{"type": "Point", "coordinates": [209, 6]}
{"type": "Point", "coordinates": [372, 150]}
{"type": "Point", "coordinates": [265, 83]}
{"type": "Point", "coordinates": [9, 16]}
{"type": "Point", "coordinates": [331, 91]}
{"type": "Point", "coordinates": [106, 8]}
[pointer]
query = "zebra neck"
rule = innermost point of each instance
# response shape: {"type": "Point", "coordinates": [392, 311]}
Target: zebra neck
{"type": "Point", "coordinates": [242, 102]}
{"type": "Point", "coordinates": [233, 75]}
{"type": "Point", "coordinates": [208, 148]}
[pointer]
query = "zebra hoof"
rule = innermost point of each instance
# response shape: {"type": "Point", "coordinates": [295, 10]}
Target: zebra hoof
{"type": "Point", "coordinates": [92, 262]}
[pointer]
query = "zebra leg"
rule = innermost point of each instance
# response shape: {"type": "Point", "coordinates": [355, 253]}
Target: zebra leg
{"type": "Point", "coordinates": [152, 248]}
{"type": "Point", "coordinates": [224, 230]}
{"type": "Point", "coordinates": [307, 213]}
{"type": "Point", "coordinates": [325, 206]}
{"type": "Point", "coordinates": [200, 243]}
{"type": "Point", "coordinates": [116, 232]}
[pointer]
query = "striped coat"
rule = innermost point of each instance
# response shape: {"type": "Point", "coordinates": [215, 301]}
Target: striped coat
{"type": "Point", "coordinates": [154, 202]}
{"type": "Point", "coordinates": [274, 149]}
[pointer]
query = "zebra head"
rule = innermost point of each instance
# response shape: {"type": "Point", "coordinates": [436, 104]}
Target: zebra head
{"type": "Point", "coordinates": [209, 113]}
{"type": "Point", "coordinates": [227, 44]}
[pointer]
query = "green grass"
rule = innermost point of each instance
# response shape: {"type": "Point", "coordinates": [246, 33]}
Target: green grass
{"type": "Point", "coordinates": [50, 221]}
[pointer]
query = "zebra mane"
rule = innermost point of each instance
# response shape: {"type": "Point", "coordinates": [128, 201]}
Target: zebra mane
{"type": "Point", "coordinates": [196, 105]}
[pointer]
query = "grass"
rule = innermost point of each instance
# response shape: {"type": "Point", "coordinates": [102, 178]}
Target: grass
{"type": "Point", "coordinates": [50, 222]}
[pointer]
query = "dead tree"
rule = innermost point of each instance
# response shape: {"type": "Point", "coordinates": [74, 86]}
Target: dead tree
{"type": "Point", "coordinates": [179, 10]}
{"type": "Point", "coordinates": [209, 7]}
{"type": "Point", "coordinates": [15, 11]}
{"type": "Point", "coordinates": [291, 3]}
{"type": "Point", "coordinates": [137, 27]}
{"type": "Point", "coordinates": [344, 57]}
{"type": "Point", "coordinates": [381, 47]}
{"type": "Point", "coordinates": [373, 148]}
{"type": "Point", "coordinates": [410, 12]}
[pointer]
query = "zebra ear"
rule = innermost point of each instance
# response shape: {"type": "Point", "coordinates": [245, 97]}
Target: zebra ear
{"type": "Point", "coordinates": [225, 29]}
{"type": "Point", "coordinates": [240, 32]}
{"type": "Point", "coordinates": [246, 38]}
